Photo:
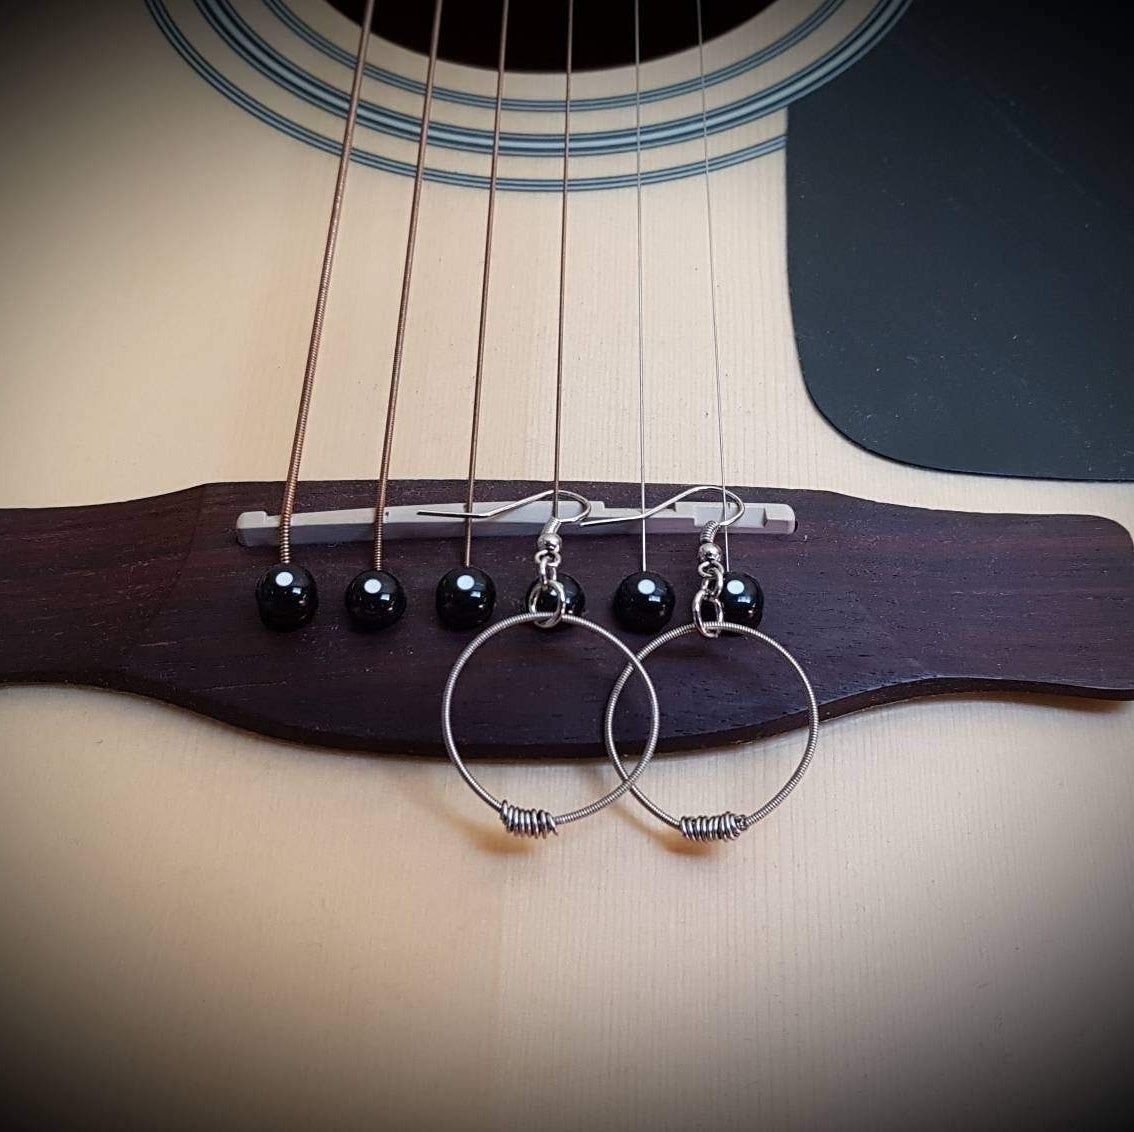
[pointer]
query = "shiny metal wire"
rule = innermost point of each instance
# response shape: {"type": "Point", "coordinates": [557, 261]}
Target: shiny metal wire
{"type": "Point", "coordinates": [641, 283]}
{"type": "Point", "coordinates": [712, 628]}
{"type": "Point", "coordinates": [291, 484]}
{"type": "Point", "coordinates": [712, 270]}
{"type": "Point", "coordinates": [403, 305]}
{"type": "Point", "coordinates": [478, 382]}
{"type": "Point", "coordinates": [731, 498]}
{"type": "Point", "coordinates": [713, 827]}
{"type": "Point", "coordinates": [710, 569]}
{"type": "Point", "coordinates": [725, 826]}
{"type": "Point", "coordinates": [527, 823]}
{"type": "Point", "coordinates": [548, 560]}
{"type": "Point", "coordinates": [554, 587]}
{"type": "Point", "coordinates": [538, 822]}
{"type": "Point", "coordinates": [563, 261]}
{"type": "Point", "coordinates": [514, 505]}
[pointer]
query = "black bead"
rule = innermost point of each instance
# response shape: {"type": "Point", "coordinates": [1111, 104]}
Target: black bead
{"type": "Point", "coordinates": [742, 599]}
{"type": "Point", "coordinates": [643, 602]}
{"type": "Point", "coordinates": [465, 598]}
{"type": "Point", "coordinates": [576, 599]}
{"type": "Point", "coordinates": [375, 599]}
{"type": "Point", "coordinates": [286, 597]}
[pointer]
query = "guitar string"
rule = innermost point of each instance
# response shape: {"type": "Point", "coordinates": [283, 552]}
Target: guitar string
{"type": "Point", "coordinates": [563, 262]}
{"type": "Point", "coordinates": [712, 280]}
{"type": "Point", "coordinates": [641, 285]}
{"type": "Point", "coordinates": [474, 432]}
{"type": "Point", "coordinates": [403, 306]}
{"type": "Point", "coordinates": [291, 485]}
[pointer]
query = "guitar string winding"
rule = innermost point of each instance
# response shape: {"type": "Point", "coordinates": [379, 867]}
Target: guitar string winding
{"type": "Point", "coordinates": [474, 432]}
{"type": "Point", "coordinates": [403, 305]}
{"type": "Point", "coordinates": [713, 827]}
{"type": "Point", "coordinates": [527, 823]}
{"type": "Point", "coordinates": [291, 485]}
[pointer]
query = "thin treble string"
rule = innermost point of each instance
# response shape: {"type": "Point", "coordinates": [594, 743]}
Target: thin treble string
{"type": "Point", "coordinates": [641, 287]}
{"type": "Point", "coordinates": [474, 432]}
{"type": "Point", "coordinates": [287, 507]}
{"type": "Point", "coordinates": [403, 307]}
{"type": "Point", "coordinates": [712, 277]}
{"type": "Point", "coordinates": [563, 262]}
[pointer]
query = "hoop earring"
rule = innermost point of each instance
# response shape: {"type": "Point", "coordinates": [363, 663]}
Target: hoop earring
{"type": "Point", "coordinates": [537, 822]}
{"type": "Point", "coordinates": [725, 826]}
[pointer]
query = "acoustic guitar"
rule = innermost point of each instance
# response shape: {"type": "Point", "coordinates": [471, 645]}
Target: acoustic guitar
{"type": "Point", "coordinates": [241, 884]}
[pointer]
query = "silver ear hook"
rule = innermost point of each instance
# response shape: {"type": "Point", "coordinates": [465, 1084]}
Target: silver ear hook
{"type": "Point", "coordinates": [710, 567]}
{"type": "Point", "coordinates": [548, 547]}
{"type": "Point", "coordinates": [515, 505]}
{"type": "Point", "coordinates": [548, 558]}
{"type": "Point", "coordinates": [637, 516]}
{"type": "Point", "coordinates": [710, 560]}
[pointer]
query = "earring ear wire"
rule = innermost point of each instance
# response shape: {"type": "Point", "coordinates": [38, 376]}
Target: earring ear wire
{"type": "Point", "coordinates": [644, 601]}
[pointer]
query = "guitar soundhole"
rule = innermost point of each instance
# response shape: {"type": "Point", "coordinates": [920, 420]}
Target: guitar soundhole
{"type": "Point", "coordinates": [604, 29]}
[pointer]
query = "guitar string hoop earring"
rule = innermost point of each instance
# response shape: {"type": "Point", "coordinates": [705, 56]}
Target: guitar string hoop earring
{"type": "Point", "coordinates": [538, 822]}
{"type": "Point", "coordinates": [725, 826]}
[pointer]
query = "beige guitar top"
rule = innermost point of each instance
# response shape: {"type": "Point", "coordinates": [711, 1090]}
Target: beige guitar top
{"type": "Point", "coordinates": [204, 928]}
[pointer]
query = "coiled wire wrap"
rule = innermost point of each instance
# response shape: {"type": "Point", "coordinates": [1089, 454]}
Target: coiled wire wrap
{"type": "Point", "coordinates": [537, 822]}
{"type": "Point", "coordinates": [527, 823]}
{"type": "Point", "coordinates": [726, 826]}
{"type": "Point", "coordinates": [713, 827]}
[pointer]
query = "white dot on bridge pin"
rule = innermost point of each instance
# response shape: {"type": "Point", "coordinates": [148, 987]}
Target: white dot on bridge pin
{"type": "Point", "coordinates": [285, 578]}
{"type": "Point", "coordinates": [647, 587]}
{"type": "Point", "coordinates": [466, 582]}
{"type": "Point", "coordinates": [372, 585]}
{"type": "Point", "coordinates": [736, 586]}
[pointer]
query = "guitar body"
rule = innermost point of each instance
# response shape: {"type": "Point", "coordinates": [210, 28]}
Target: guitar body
{"type": "Point", "coordinates": [205, 927]}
